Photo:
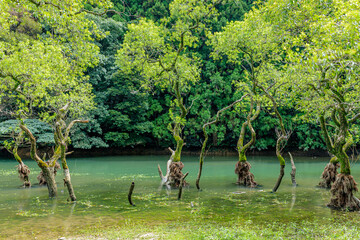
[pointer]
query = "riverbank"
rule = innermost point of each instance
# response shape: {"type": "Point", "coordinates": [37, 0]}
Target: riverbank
{"type": "Point", "coordinates": [226, 152]}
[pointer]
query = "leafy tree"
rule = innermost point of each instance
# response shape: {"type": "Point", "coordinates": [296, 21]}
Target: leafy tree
{"type": "Point", "coordinates": [160, 54]}
{"type": "Point", "coordinates": [322, 50]}
{"type": "Point", "coordinates": [40, 74]}
{"type": "Point", "coordinates": [251, 44]}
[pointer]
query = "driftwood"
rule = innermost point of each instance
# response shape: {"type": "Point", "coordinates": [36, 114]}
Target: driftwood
{"type": "Point", "coordinates": [165, 180]}
{"type": "Point", "coordinates": [181, 185]}
{"type": "Point", "coordinates": [293, 170]}
{"type": "Point", "coordinates": [130, 193]}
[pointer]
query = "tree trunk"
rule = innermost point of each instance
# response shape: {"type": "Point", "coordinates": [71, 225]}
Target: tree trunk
{"type": "Point", "coordinates": [281, 175]}
{"type": "Point", "coordinates": [48, 174]}
{"type": "Point", "coordinates": [67, 182]}
{"type": "Point", "coordinates": [199, 175]}
{"type": "Point", "coordinates": [242, 167]}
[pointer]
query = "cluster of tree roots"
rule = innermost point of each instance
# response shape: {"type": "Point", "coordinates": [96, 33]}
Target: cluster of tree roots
{"type": "Point", "coordinates": [245, 177]}
{"type": "Point", "coordinates": [329, 175]}
{"type": "Point", "coordinates": [342, 193]}
{"type": "Point", "coordinates": [176, 174]}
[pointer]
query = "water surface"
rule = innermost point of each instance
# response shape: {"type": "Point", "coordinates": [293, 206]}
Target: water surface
{"type": "Point", "coordinates": [101, 185]}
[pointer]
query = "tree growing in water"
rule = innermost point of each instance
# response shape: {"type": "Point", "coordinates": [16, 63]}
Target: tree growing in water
{"type": "Point", "coordinates": [322, 49]}
{"type": "Point", "coordinates": [12, 146]}
{"type": "Point", "coordinates": [251, 45]}
{"type": "Point", "coordinates": [42, 73]}
{"type": "Point", "coordinates": [161, 56]}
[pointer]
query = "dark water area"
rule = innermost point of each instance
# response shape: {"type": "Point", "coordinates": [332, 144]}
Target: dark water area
{"type": "Point", "coordinates": [102, 183]}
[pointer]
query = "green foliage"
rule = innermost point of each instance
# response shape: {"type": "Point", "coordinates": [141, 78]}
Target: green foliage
{"type": "Point", "coordinates": [42, 131]}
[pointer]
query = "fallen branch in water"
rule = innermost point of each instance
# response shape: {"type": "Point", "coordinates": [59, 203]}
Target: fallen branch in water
{"type": "Point", "coordinates": [130, 193]}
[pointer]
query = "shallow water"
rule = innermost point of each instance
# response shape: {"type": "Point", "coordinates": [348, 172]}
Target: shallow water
{"type": "Point", "coordinates": [101, 185]}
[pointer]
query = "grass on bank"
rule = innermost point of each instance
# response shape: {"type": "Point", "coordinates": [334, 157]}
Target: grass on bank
{"type": "Point", "coordinates": [245, 230]}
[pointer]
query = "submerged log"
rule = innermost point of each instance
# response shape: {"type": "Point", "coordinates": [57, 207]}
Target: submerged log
{"type": "Point", "coordinates": [130, 193]}
{"type": "Point", "coordinates": [181, 185]}
{"type": "Point", "coordinates": [293, 170]}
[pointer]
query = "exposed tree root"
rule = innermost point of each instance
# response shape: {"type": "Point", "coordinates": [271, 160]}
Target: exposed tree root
{"type": "Point", "coordinates": [41, 177]}
{"type": "Point", "coordinates": [24, 173]}
{"type": "Point", "coordinates": [329, 175]}
{"type": "Point", "coordinates": [176, 175]}
{"type": "Point", "coordinates": [342, 197]}
{"type": "Point", "coordinates": [245, 177]}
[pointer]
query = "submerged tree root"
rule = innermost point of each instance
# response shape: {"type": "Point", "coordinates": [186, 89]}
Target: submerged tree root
{"type": "Point", "coordinates": [245, 177]}
{"type": "Point", "coordinates": [342, 197]}
{"type": "Point", "coordinates": [176, 175]}
{"type": "Point", "coordinates": [24, 173]}
{"type": "Point", "coordinates": [41, 178]}
{"type": "Point", "coordinates": [329, 175]}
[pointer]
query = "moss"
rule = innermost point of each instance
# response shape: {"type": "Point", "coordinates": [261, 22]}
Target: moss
{"type": "Point", "coordinates": [281, 160]}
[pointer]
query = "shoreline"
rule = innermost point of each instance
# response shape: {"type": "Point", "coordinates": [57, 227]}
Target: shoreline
{"type": "Point", "coordinates": [97, 152]}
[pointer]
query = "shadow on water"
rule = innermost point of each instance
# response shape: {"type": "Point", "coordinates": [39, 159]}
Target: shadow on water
{"type": "Point", "coordinates": [102, 185]}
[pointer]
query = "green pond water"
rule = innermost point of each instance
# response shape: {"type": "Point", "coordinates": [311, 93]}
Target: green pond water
{"type": "Point", "coordinates": [101, 185]}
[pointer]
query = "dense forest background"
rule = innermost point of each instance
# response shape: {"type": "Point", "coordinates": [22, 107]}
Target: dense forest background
{"type": "Point", "coordinates": [127, 116]}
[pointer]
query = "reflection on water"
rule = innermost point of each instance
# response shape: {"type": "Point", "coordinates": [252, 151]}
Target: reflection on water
{"type": "Point", "coordinates": [101, 185]}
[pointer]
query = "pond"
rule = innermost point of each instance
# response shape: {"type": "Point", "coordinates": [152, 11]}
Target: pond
{"type": "Point", "coordinates": [101, 185]}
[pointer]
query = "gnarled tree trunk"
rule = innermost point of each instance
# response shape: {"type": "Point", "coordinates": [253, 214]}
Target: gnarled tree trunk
{"type": "Point", "coordinates": [173, 172]}
{"type": "Point", "coordinates": [24, 173]}
{"type": "Point", "coordinates": [47, 169]}
{"type": "Point", "coordinates": [203, 148]}
{"type": "Point", "coordinates": [48, 173]}
{"type": "Point", "coordinates": [242, 167]}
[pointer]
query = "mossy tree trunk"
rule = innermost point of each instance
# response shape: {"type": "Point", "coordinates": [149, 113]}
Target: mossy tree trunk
{"type": "Point", "coordinates": [282, 137]}
{"type": "Point", "coordinates": [62, 140]}
{"type": "Point", "coordinates": [22, 168]}
{"type": "Point", "coordinates": [176, 166]}
{"type": "Point", "coordinates": [344, 186]}
{"type": "Point", "coordinates": [47, 168]}
{"type": "Point", "coordinates": [242, 167]}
